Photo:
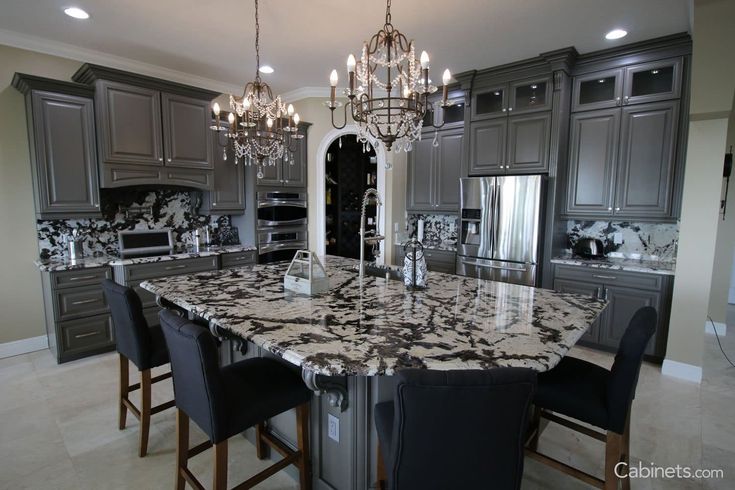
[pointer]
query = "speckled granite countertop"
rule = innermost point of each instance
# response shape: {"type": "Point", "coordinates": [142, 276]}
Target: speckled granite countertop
{"type": "Point", "coordinates": [65, 264]}
{"type": "Point", "coordinates": [379, 326]}
{"type": "Point", "coordinates": [620, 264]}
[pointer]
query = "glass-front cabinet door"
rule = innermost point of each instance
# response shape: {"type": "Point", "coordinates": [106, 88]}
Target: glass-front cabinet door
{"type": "Point", "coordinates": [599, 90]}
{"type": "Point", "coordinates": [649, 82]}
{"type": "Point", "coordinates": [530, 96]}
{"type": "Point", "coordinates": [490, 103]}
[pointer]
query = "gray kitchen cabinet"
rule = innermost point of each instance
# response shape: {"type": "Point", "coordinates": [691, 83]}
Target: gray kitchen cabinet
{"type": "Point", "coordinates": [436, 260]}
{"type": "Point", "coordinates": [635, 84]}
{"type": "Point", "coordinates": [291, 173]}
{"type": "Point", "coordinates": [644, 182]}
{"type": "Point", "coordinates": [228, 195]}
{"type": "Point", "coordinates": [528, 143]}
{"type": "Point", "coordinates": [515, 145]}
{"type": "Point", "coordinates": [434, 172]}
{"type": "Point", "coordinates": [129, 124]}
{"type": "Point", "coordinates": [592, 160]}
{"type": "Point", "coordinates": [518, 97]}
{"type": "Point", "coordinates": [626, 292]}
{"type": "Point", "coordinates": [61, 134]}
{"type": "Point", "coordinates": [238, 259]}
{"type": "Point", "coordinates": [78, 322]}
{"type": "Point", "coordinates": [187, 139]}
{"type": "Point", "coordinates": [622, 162]}
{"type": "Point", "coordinates": [150, 131]}
{"type": "Point", "coordinates": [487, 146]}
{"type": "Point", "coordinates": [490, 103]}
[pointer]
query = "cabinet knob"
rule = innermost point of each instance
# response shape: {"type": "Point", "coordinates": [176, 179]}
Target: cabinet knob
{"type": "Point", "coordinates": [504, 109]}
{"type": "Point", "coordinates": [214, 204]}
{"type": "Point", "coordinates": [168, 160]}
{"type": "Point", "coordinates": [97, 205]}
{"type": "Point", "coordinates": [285, 181]}
{"type": "Point", "coordinates": [609, 209]}
{"type": "Point", "coordinates": [617, 209]}
{"type": "Point", "coordinates": [510, 109]}
{"type": "Point", "coordinates": [617, 101]}
{"type": "Point", "coordinates": [626, 99]}
{"type": "Point", "coordinates": [160, 159]}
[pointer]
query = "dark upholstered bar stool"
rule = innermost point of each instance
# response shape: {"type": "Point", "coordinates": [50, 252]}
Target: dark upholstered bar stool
{"type": "Point", "coordinates": [145, 347]}
{"type": "Point", "coordinates": [226, 401]}
{"type": "Point", "coordinates": [596, 396]}
{"type": "Point", "coordinates": [455, 429]}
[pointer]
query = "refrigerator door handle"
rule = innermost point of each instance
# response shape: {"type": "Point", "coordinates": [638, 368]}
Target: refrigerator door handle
{"type": "Point", "coordinates": [491, 266]}
{"type": "Point", "coordinates": [496, 211]}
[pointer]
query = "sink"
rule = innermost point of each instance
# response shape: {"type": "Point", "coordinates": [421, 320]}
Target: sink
{"type": "Point", "coordinates": [393, 273]}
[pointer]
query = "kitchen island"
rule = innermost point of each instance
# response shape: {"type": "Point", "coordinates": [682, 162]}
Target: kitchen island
{"type": "Point", "coordinates": [349, 340]}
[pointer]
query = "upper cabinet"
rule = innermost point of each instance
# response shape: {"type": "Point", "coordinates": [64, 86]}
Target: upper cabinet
{"type": "Point", "coordinates": [61, 131]}
{"type": "Point", "coordinates": [635, 84]}
{"type": "Point", "coordinates": [434, 168]}
{"type": "Point", "coordinates": [512, 98]}
{"type": "Point", "coordinates": [228, 195]}
{"type": "Point", "coordinates": [150, 131]}
{"type": "Point", "coordinates": [288, 171]}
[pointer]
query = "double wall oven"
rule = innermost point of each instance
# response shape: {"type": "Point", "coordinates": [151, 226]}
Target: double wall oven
{"type": "Point", "coordinates": [281, 223]}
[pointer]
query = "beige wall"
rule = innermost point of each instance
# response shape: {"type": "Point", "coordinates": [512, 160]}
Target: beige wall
{"type": "Point", "coordinates": [712, 99]}
{"type": "Point", "coordinates": [21, 301]}
{"type": "Point", "coordinates": [725, 247]}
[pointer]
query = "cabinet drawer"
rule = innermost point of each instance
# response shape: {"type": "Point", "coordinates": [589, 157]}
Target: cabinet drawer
{"type": "Point", "coordinates": [79, 302]}
{"type": "Point", "coordinates": [653, 282]}
{"type": "Point", "coordinates": [140, 272]}
{"type": "Point", "coordinates": [86, 334]}
{"type": "Point", "coordinates": [81, 277]}
{"type": "Point", "coordinates": [238, 259]}
{"type": "Point", "coordinates": [439, 256]}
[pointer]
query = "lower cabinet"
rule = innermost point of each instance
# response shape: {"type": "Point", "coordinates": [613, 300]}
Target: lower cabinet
{"type": "Point", "coordinates": [626, 292]}
{"type": "Point", "coordinates": [78, 322]}
{"type": "Point", "coordinates": [436, 260]}
{"type": "Point", "coordinates": [238, 259]}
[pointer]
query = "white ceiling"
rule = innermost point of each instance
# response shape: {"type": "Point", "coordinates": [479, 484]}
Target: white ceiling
{"type": "Point", "coordinates": [304, 39]}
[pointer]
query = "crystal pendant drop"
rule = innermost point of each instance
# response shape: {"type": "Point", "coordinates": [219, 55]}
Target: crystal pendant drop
{"type": "Point", "coordinates": [224, 155]}
{"type": "Point", "coordinates": [260, 172]}
{"type": "Point", "coordinates": [435, 142]}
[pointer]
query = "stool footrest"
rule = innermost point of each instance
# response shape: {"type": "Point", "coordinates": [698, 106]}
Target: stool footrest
{"type": "Point", "coordinates": [163, 406]}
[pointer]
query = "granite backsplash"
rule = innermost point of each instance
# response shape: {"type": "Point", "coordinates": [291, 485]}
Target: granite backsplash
{"type": "Point", "coordinates": [649, 240]}
{"type": "Point", "coordinates": [173, 208]}
{"type": "Point", "coordinates": [438, 228]}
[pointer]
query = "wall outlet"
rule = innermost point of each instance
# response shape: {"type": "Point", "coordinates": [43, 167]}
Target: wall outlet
{"type": "Point", "coordinates": [333, 427]}
{"type": "Point", "coordinates": [618, 238]}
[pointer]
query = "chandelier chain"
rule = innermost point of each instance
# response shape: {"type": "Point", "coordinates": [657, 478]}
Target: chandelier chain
{"type": "Point", "coordinates": [257, 42]}
{"type": "Point", "coordinates": [387, 14]}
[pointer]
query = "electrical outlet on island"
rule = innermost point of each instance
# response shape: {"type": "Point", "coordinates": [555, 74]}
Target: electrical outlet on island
{"type": "Point", "coordinates": [333, 427]}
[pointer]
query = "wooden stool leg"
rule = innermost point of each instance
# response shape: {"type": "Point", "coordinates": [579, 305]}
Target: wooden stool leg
{"type": "Point", "coordinates": [259, 443]}
{"type": "Point", "coordinates": [302, 434]}
{"type": "Point", "coordinates": [613, 447]}
{"type": "Point", "coordinates": [220, 466]}
{"type": "Point", "coordinates": [145, 410]}
{"type": "Point", "coordinates": [123, 392]}
{"type": "Point", "coordinates": [182, 447]}
{"type": "Point", "coordinates": [382, 478]}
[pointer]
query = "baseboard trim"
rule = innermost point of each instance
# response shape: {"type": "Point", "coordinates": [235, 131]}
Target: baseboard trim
{"type": "Point", "coordinates": [721, 328]}
{"type": "Point", "coordinates": [24, 346]}
{"type": "Point", "coordinates": [687, 372]}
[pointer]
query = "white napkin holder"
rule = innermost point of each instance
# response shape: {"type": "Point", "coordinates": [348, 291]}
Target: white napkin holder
{"type": "Point", "coordinates": [306, 274]}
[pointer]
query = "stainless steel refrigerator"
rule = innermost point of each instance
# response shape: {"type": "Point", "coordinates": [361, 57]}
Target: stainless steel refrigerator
{"type": "Point", "coordinates": [500, 227]}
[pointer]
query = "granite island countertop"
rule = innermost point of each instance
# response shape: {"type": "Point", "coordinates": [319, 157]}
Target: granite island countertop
{"type": "Point", "coordinates": [620, 264]}
{"type": "Point", "coordinates": [379, 326]}
{"type": "Point", "coordinates": [105, 260]}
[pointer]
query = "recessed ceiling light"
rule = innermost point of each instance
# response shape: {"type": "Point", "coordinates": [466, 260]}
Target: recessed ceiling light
{"type": "Point", "coordinates": [76, 12]}
{"type": "Point", "coordinates": [616, 34]}
{"type": "Point", "coordinates": [267, 69]}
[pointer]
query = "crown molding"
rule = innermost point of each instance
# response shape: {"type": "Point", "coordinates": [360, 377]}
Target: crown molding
{"type": "Point", "coordinates": [305, 93]}
{"type": "Point", "coordinates": [85, 55]}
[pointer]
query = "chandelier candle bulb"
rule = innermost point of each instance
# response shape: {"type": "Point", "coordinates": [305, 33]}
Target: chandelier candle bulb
{"type": "Point", "coordinates": [296, 119]}
{"type": "Point", "coordinates": [231, 119]}
{"type": "Point", "coordinates": [446, 77]}
{"type": "Point", "coordinates": [424, 60]}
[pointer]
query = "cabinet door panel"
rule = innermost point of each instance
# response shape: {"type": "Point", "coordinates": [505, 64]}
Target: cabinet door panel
{"type": "Point", "coordinates": [272, 174]}
{"type": "Point", "coordinates": [187, 136]}
{"type": "Point", "coordinates": [649, 82]}
{"type": "Point", "coordinates": [448, 168]}
{"type": "Point", "coordinates": [586, 289]}
{"type": "Point", "coordinates": [528, 143]}
{"type": "Point", "coordinates": [129, 124]}
{"type": "Point", "coordinates": [490, 103]}
{"type": "Point", "coordinates": [598, 90]}
{"type": "Point", "coordinates": [624, 302]}
{"type": "Point", "coordinates": [530, 96]}
{"type": "Point", "coordinates": [420, 181]}
{"type": "Point", "coordinates": [646, 162]}
{"type": "Point", "coordinates": [65, 161]}
{"type": "Point", "coordinates": [294, 171]}
{"type": "Point", "coordinates": [487, 147]}
{"type": "Point", "coordinates": [593, 157]}
{"type": "Point", "coordinates": [228, 195]}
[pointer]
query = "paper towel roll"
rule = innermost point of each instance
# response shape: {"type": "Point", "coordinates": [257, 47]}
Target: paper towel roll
{"type": "Point", "coordinates": [421, 230]}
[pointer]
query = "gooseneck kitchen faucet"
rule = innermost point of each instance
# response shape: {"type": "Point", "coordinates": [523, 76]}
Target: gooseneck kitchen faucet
{"type": "Point", "coordinates": [374, 238]}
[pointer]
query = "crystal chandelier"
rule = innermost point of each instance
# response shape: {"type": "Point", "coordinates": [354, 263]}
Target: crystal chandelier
{"type": "Point", "coordinates": [260, 128]}
{"type": "Point", "coordinates": [393, 93]}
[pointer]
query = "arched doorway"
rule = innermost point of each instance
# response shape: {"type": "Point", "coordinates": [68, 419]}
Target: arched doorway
{"type": "Point", "coordinates": [321, 185]}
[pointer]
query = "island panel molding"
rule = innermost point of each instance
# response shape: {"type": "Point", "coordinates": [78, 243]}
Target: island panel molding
{"type": "Point", "coordinates": [378, 327]}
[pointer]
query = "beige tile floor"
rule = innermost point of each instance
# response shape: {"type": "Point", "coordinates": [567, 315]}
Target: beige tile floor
{"type": "Point", "coordinates": [58, 429]}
